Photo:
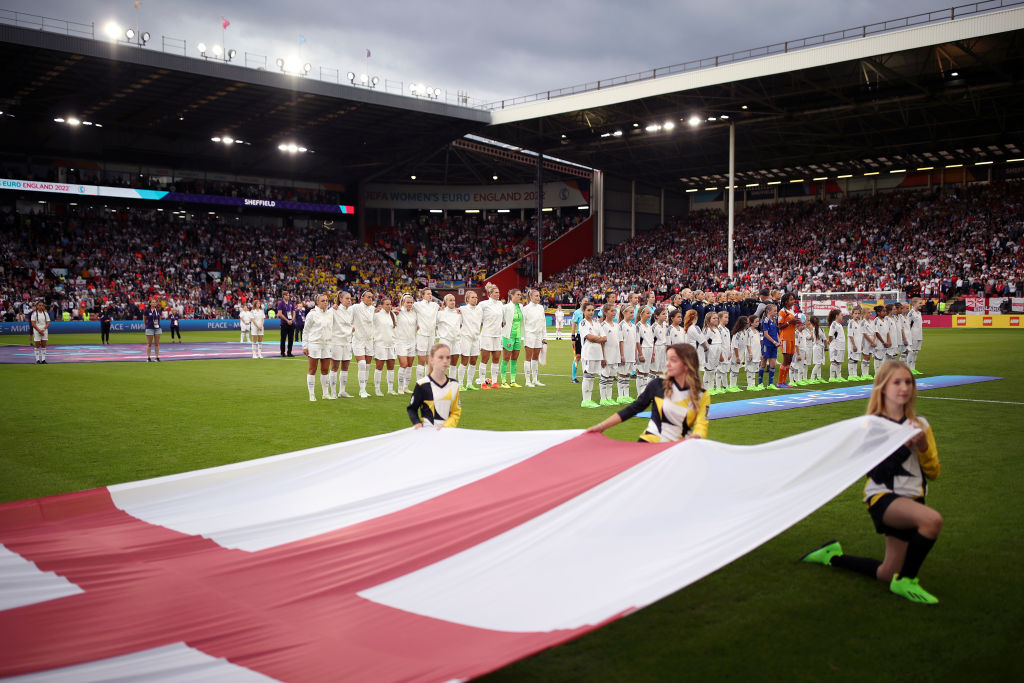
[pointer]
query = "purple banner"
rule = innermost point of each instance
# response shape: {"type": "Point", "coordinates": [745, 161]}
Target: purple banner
{"type": "Point", "coordinates": [258, 203]}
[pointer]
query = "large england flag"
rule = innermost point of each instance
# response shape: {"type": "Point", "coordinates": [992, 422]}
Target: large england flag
{"type": "Point", "coordinates": [416, 555]}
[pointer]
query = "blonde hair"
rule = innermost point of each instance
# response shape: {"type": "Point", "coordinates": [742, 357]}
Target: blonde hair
{"type": "Point", "coordinates": [490, 287]}
{"type": "Point", "coordinates": [876, 404]}
{"type": "Point", "coordinates": [688, 355]}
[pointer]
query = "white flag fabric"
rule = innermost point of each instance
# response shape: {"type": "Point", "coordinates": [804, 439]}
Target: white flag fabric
{"type": "Point", "coordinates": [417, 555]}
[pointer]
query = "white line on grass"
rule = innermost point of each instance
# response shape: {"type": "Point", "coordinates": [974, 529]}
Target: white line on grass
{"type": "Point", "coordinates": [971, 400]}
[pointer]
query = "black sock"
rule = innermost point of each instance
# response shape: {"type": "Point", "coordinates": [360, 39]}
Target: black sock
{"type": "Point", "coordinates": [862, 565]}
{"type": "Point", "coordinates": [917, 550]}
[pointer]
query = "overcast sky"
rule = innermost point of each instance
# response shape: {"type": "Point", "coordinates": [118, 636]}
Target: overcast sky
{"type": "Point", "coordinates": [491, 50]}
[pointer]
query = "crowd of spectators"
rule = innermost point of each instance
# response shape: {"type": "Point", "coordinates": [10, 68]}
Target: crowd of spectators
{"type": "Point", "coordinates": [935, 244]}
{"type": "Point", "coordinates": [95, 257]}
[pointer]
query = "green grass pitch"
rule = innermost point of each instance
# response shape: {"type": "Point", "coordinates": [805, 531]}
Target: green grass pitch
{"type": "Point", "coordinates": [766, 616]}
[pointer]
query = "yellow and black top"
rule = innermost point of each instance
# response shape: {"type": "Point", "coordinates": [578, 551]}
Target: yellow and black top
{"type": "Point", "coordinates": [906, 471]}
{"type": "Point", "coordinates": [673, 417]}
{"type": "Point", "coordinates": [435, 405]}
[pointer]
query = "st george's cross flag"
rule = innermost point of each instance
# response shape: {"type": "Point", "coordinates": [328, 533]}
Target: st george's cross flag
{"type": "Point", "coordinates": [416, 555]}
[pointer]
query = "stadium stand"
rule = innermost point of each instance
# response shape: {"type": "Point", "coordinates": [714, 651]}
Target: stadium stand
{"type": "Point", "coordinates": [962, 240]}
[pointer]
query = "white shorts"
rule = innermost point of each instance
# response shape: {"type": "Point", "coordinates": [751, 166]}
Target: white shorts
{"type": "Point", "coordinates": [244, 328]}
{"type": "Point", "coordinates": [257, 331]}
{"type": "Point", "coordinates": [318, 350]}
{"type": "Point", "coordinates": [836, 354]}
{"type": "Point", "coordinates": [488, 343]}
{"type": "Point", "coordinates": [405, 349]}
{"type": "Point", "coordinates": [381, 352]}
{"type": "Point", "coordinates": [610, 369]}
{"type": "Point", "coordinates": [626, 368]}
{"type": "Point", "coordinates": [453, 346]}
{"type": "Point", "coordinates": [592, 367]}
{"type": "Point", "coordinates": [469, 346]}
{"type": "Point", "coordinates": [153, 332]}
{"type": "Point", "coordinates": [915, 345]}
{"type": "Point", "coordinates": [533, 341]}
{"type": "Point", "coordinates": [362, 348]}
{"type": "Point", "coordinates": [423, 344]}
{"type": "Point", "coordinates": [658, 364]}
{"type": "Point", "coordinates": [36, 336]}
{"type": "Point", "coordinates": [880, 353]}
{"type": "Point", "coordinates": [341, 351]}
{"type": "Point", "coordinates": [644, 365]}
{"type": "Point", "coordinates": [818, 355]}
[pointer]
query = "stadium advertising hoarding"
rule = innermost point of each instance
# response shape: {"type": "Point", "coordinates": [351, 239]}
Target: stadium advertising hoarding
{"type": "Point", "coordinates": [93, 326]}
{"type": "Point", "coordinates": [160, 195]}
{"type": "Point", "coordinates": [458, 197]}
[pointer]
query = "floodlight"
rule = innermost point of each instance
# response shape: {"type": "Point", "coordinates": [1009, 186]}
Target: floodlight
{"type": "Point", "coordinates": [218, 51]}
{"type": "Point", "coordinates": [364, 79]}
{"type": "Point", "coordinates": [202, 48]}
{"type": "Point", "coordinates": [112, 30]}
{"type": "Point", "coordinates": [145, 37]}
{"type": "Point", "coordinates": [653, 128]}
{"type": "Point", "coordinates": [724, 117]}
{"type": "Point", "coordinates": [72, 121]}
{"type": "Point", "coordinates": [231, 54]}
{"type": "Point", "coordinates": [86, 123]}
{"type": "Point", "coordinates": [283, 147]}
{"type": "Point", "coordinates": [617, 134]}
{"type": "Point", "coordinates": [694, 120]}
{"type": "Point", "coordinates": [292, 147]}
{"type": "Point", "coordinates": [129, 34]}
{"type": "Point", "coordinates": [954, 74]}
{"type": "Point", "coordinates": [215, 138]}
{"type": "Point", "coordinates": [374, 81]}
{"type": "Point", "coordinates": [280, 64]}
{"type": "Point", "coordinates": [412, 177]}
{"type": "Point", "coordinates": [669, 125]}
{"type": "Point", "coordinates": [494, 177]}
{"type": "Point", "coordinates": [302, 149]}
{"type": "Point", "coordinates": [227, 140]}
{"type": "Point", "coordinates": [350, 76]}
{"type": "Point", "coordinates": [307, 67]}
{"type": "Point", "coordinates": [58, 120]}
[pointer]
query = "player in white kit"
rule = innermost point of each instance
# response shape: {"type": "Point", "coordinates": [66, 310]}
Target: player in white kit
{"type": "Point", "coordinates": [362, 339]}
{"type": "Point", "coordinates": [449, 331]}
{"type": "Point", "coordinates": [535, 329]}
{"type": "Point", "coordinates": [341, 345]}
{"type": "Point", "coordinates": [405, 341]}
{"type": "Point", "coordinates": [384, 345]}
{"type": "Point", "coordinates": [316, 345]}
{"type": "Point", "coordinates": [469, 341]}
{"type": "Point", "coordinates": [426, 329]}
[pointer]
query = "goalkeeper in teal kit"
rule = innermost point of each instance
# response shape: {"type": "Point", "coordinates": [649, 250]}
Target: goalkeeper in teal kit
{"type": "Point", "coordinates": [511, 338]}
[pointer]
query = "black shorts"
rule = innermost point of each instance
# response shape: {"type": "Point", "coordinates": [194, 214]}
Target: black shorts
{"type": "Point", "coordinates": [577, 344]}
{"type": "Point", "coordinates": [877, 512]}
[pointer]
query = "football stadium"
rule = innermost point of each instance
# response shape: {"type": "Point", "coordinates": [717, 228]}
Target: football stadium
{"type": "Point", "coordinates": [595, 383]}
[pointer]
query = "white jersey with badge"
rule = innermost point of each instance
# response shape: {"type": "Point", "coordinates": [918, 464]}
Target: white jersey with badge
{"type": "Point", "coordinates": [471, 320]}
{"type": "Point", "coordinates": [449, 325]}
{"type": "Point", "coordinates": [492, 312]}
{"type": "Point", "coordinates": [591, 350]}
{"type": "Point", "coordinates": [362, 323]}
{"type": "Point", "coordinates": [426, 317]}
{"type": "Point", "coordinates": [342, 325]}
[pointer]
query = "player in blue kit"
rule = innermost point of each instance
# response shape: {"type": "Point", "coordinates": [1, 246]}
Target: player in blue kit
{"type": "Point", "coordinates": [769, 345]}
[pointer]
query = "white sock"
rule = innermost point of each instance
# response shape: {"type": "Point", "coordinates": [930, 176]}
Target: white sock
{"type": "Point", "coordinates": [390, 380]}
{"type": "Point", "coordinates": [311, 384]}
{"type": "Point", "coordinates": [588, 386]}
{"type": "Point", "coordinates": [734, 378]}
{"type": "Point", "coordinates": [536, 371]}
{"type": "Point", "coordinates": [342, 380]}
{"type": "Point", "coordinates": [494, 371]}
{"type": "Point", "coordinates": [460, 375]}
{"type": "Point", "coordinates": [35, 350]}
{"type": "Point", "coordinates": [376, 380]}
{"type": "Point", "coordinates": [623, 386]}
{"type": "Point", "coordinates": [470, 372]}
{"type": "Point", "coordinates": [332, 383]}
{"type": "Point", "coordinates": [43, 352]}
{"type": "Point", "coordinates": [362, 375]}
{"type": "Point", "coordinates": [324, 385]}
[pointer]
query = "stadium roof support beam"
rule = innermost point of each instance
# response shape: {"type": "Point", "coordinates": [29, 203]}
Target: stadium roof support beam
{"type": "Point", "coordinates": [520, 158]}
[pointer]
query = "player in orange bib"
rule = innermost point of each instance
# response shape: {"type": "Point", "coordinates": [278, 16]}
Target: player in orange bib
{"type": "Point", "coordinates": [787, 338]}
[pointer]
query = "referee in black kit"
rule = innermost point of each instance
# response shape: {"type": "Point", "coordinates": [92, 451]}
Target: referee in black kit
{"type": "Point", "coordinates": [286, 312]}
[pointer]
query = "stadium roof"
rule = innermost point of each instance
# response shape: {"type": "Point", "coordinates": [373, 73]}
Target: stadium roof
{"type": "Point", "coordinates": [889, 99]}
{"type": "Point", "coordinates": [947, 91]}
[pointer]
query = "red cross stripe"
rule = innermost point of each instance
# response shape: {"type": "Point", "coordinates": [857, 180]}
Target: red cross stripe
{"type": "Point", "coordinates": [290, 612]}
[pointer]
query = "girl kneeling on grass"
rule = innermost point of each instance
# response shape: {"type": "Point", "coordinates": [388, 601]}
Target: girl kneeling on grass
{"type": "Point", "coordinates": [895, 494]}
{"type": "Point", "coordinates": [678, 402]}
{"type": "Point", "coordinates": [435, 400]}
